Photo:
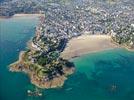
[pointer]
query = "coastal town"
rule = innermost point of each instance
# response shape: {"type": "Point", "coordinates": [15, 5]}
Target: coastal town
{"type": "Point", "coordinates": [62, 21]}
{"type": "Point", "coordinates": [70, 18]}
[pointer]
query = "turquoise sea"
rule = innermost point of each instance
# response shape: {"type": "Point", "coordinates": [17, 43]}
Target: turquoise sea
{"type": "Point", "coordinates": [107, 75]}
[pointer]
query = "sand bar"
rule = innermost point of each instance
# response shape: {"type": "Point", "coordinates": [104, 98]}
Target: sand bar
{"type": "Point", "coordinates": [87, 44]}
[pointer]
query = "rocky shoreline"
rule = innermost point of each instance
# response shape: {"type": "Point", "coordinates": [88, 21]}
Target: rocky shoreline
{"type": "Point", "coordinates": [42, 63]}
{"type": "Point", "coordinates": [57, 81]}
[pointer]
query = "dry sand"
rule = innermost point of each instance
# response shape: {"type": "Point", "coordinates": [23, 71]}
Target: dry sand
{"type": "Point", "coordinates": [26, 15]}
{"type": "Point", "coordinates": [22, 15]}
{"type": "Point", "coordinates": [87, 44]}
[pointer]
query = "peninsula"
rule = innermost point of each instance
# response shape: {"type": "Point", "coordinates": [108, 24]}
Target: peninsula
{"type": "Point", "coordinates": [45, 61]}
{"type": "Point", "coordinates": [42, 62]}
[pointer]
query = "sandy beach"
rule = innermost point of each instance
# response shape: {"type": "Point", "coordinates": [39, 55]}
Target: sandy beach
{"type": "Point", "coordinates": [87, 44]}
{"type": "Point", "coordinates": [22, 15]}
{"type": "Point", "coordinates": [27, 15]}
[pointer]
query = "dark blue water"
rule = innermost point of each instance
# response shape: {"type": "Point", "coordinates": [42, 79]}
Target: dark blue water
{"type": "Point", "coordinates": [107, 75]}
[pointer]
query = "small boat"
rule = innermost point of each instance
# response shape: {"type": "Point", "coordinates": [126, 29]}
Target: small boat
{"type": "Point", "coordinates": [113, 88]}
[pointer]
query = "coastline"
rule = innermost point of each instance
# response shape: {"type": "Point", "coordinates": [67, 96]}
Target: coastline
{"type": "Point", "coordinates": [56, 82]}
{"type": "Point", "coordinates": [28, 67]}
{"type": "Point", "coordinates": [27, 15]}
{"type": "Point", "coordinates": [21, 15]}
{"type": "Point", "coordinates": [85, 44]}
{"type": "Point", "coordinates": [123, 46]}
{"type": "Point", "coordinates": [76, 47]}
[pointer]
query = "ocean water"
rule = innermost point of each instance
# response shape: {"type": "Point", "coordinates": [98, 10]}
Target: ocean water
{"type": "Point", "coordinates": [107, 75]}
{"type": "Point", "coordinates": [14, 33]}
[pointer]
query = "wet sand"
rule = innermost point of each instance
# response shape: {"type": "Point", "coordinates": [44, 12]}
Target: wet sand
{"type": "Point", "coordinates": [87, 44]}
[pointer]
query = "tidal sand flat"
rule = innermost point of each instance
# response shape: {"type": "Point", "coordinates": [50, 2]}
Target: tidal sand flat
{"type": "Point", "coordinates": [87, 44]}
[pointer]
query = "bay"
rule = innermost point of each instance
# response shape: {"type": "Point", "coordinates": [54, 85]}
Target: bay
{"type": "Point", "coordinates": [106, 75]}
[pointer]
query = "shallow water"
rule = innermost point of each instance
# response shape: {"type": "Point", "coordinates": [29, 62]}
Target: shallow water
{"type": "Point", "coordinates": [107, 75]}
